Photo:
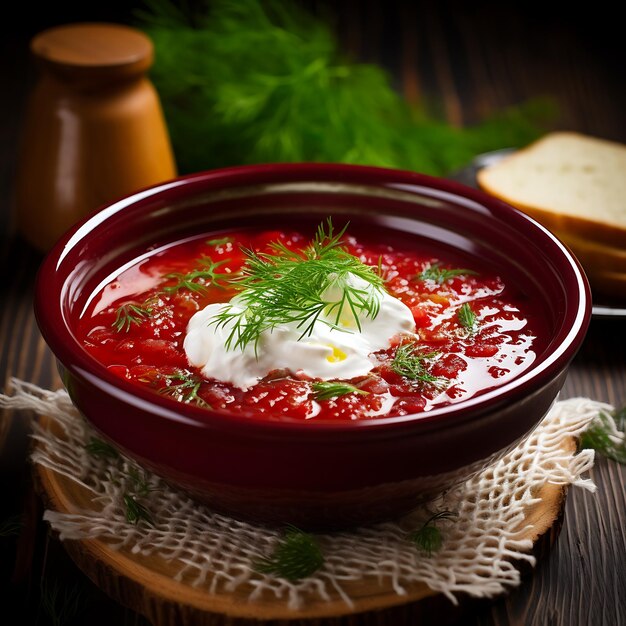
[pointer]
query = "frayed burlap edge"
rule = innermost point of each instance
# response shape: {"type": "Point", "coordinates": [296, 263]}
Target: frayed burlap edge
{"type": "Point", "coordinates": [480, 545]}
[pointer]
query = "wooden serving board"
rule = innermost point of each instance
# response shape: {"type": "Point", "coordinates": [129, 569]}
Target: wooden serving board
{"type": "Point", "coordinates": [146, 584]}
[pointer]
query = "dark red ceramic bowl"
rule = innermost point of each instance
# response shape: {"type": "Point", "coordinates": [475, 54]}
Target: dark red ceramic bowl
{"type": "Point", "coordinates": [314, 474]}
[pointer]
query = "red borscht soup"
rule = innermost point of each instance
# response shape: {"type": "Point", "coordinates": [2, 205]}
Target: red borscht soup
{"type": "Point", "coordinates": [322, 325]}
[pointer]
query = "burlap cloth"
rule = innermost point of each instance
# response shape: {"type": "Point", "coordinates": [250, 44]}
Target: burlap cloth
{"type": "Point", "coordinates": [477, 557]}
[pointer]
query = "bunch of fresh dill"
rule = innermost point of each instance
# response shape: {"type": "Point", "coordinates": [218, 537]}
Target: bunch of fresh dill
{"type": "Point", "coordinates": [253, 81]}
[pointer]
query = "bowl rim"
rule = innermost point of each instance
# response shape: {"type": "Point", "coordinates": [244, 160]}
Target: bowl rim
{"type": "Point", "coordinates": [56, 332]}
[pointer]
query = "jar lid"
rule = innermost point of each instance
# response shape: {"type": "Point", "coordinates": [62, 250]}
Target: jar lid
{"type": "Point", "coordinates": [94, 47]}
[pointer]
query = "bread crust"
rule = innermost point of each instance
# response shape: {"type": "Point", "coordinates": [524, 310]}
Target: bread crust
{"type": "Point", "coordinates": [598, 232]}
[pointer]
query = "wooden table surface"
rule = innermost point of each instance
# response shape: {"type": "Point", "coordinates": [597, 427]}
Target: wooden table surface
{"type": "Point", "coordinates": [473, 60]}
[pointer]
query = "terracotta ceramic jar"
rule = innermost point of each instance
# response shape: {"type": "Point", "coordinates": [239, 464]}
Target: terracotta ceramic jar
{"type": "Point", "coordinates": [94, 129]}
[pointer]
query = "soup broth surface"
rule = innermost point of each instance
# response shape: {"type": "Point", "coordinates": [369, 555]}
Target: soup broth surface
{"type": "Point", "coordinates": [471, 330]}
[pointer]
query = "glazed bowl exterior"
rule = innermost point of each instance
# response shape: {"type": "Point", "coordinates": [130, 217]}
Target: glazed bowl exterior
{"type": "Point", "coordinates": [313, 474]}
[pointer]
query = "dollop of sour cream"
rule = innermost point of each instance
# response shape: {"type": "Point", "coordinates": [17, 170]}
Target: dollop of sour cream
{"type": "Point", "coordinates": [328, 353]}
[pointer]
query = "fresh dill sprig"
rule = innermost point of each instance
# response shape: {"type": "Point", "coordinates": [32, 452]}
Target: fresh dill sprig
{"type": "Point", "coordinates": [136, 511]}
{"type": "Point", "coordinates": [428, 537]}
{"type": "Point", "coordinates": [220, 242]}
{"type": "Point", "coordinates": [11, 526]}
{"type": "Point", "coordinates": [412, 363]}
{"type": "Point", "coordinates": [101, 449]}
{"type": "Point", "coordinates": [326, 390]}
{"type": "Point", "coordinates": [296, 556]}
{"type": "Point", "coordinates": [467, 317]}
{"type": "Point", "coordinates": [139, 481]}
{"type": "Point", "coordinates": [139, 487]}
{"type": "Point", "coordinates": [269, 107]}
{"type": "Point", "coordinates": [198, 279]}
{"type": "Point", "coordinates": [441, 275]}
{"type": "Point", "coordinates": [129, 314]}
{"type": "Point", "coordinates": [607, 435]}
{"type": "Point", "coordinates": [183, 386]}
{"type": "Point", "coordinates": [292, 286]}
{"type": "Point", "coordinates": [62, 602]}
{"type": "Point", "coordinates": [136, 484]}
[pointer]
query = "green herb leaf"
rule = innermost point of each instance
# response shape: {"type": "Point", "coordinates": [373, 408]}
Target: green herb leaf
{"type": "Point", "coordinates": [326, 390]}
{"type": "Point", "coordinates": [183, 386]}
{"type": "Point", "coordinates": [220, 242]}
{"type": "Point", "coordinates": [129, 314]}
{"type": "Point", "coordinates": [101, 449]}
{"type": "Point", "coordinates": [607, 435]}
{"type": "Point", "coordinates": [11, 526]}
{"type": "Point", "coordinates": [292, 286]}
{"type": "Point", "coordinates": [269, 107]}
{"type": "Point", "coordinates": [412, 363]}
{"type": "Point", "coordinates": [137, 484]}
{"type": "Point", "coordinates": [136, 512]}
{"type": "Point", "coordinates": [61, 602]}
{"type": "Point", "coordinates": [139, 480]}
{"type": "Point", "coordinates": [297, 556]}
{"type": "Point", "coordinates": [440, 275]}
{"type": "Point", "coordinates": [467, 317]}
{"type": "Point", "coordinates": [197, 280]}
{"type": "Point", "coordinates": [428, 538]}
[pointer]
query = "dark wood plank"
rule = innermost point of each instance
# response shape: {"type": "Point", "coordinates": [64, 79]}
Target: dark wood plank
{"type": "Point", "coordinates": [466, 61]}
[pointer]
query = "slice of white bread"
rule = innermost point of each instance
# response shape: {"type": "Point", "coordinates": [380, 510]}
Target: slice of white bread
{"type": "Point", "coordinates": [567, 181]}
